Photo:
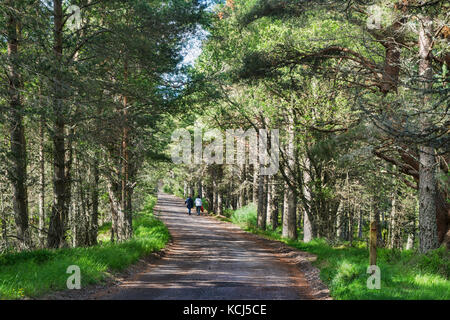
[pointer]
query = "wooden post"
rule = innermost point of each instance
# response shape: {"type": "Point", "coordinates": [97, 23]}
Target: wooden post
{"type": "Point", "coordinates": [373, 243]}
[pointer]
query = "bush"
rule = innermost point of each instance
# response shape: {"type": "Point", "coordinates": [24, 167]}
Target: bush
{"type": "Point", "coordinates": [436, 261]}
{"type": "Point", "coordinates": [245, 216]}
{"type": "Point", "coordinates": [167, 189]}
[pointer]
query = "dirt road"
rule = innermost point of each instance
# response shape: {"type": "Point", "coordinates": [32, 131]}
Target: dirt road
{"type": "Point", "coordinates": [210, 259]}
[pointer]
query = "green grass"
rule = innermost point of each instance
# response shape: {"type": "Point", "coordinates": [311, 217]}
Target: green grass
{"type": "Point", "coordinates": [34, 273]}
{"type": "Point", "coordinates": [404, 274]}
{"type": "Point", "coordinates": [245, 216]}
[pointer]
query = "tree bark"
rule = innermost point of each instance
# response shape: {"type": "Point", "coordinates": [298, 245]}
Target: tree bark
{"type": "Point", "coordinates": [307, 225]}
{"type": "Point", "coordinates": [271, 214]}
{"type": "Point", "coordinates": [241, 199]}
{"type": "Point", "coordinates": [261, 212]}
{"type": "Point", "coordinates": [290, 196]}
{"type": "Point", "coordinates": [199, 188]}
{"type": "Point", "coordinates": [41, 184]}
{"type": "Point", "coordinates": [3, 221]}
{"type": "Point", "coordinates": [93, 231]}
{"type": "Point", "coordinates": [360, 224]}
{"type": "Point", "coordinates": [255, 183]}
{"type": "Point", "coordinates": [115, 208]}
{"type": "Point", "coordinates": [18, 168]}
{"type": "Point", "coordinates": [124, 214]}
{"type": "Point", "coordinates": [394, 241]}
{"type": "Point", "coordinates": [350, 226]}
{"type": "Point", "coordinates": [428, 236]}
{"type": "Point", "coordinates": [56, 236]}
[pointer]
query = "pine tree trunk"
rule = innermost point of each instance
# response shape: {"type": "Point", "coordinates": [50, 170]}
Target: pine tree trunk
{"type": "Point", "coordinates": [248, 189]}
{"type": "Point", "coordinates": [125, 229]}
{"type": "Point", "coordinates": [215, 193]}
{"type": "Point", "coordinates": [255, 183]}
{"type": "Point", "coordinates": [410, 241]}
{"type": "Point", "coordinates": [211, 198]}
{"type": "Point", "coordinates": [219, 202]}
{"type": "Point", "coordinates": [69, 158]}
{"type": "Point", "coordinates": [41, 184]}
{"type": "Point", "coordinates": [94, 202]}
{"type": "Point", "coordinates": [270, 213]}
{"type": "Point", "coordinates": [379, 225]}
{"type": "Point", "coordinates": [3, 221]}
{"type": "Point", "coordinates": [261, 213]}
{"type": "Point", "coordinates": [282, 201]}
{"type": "Point", "coordinates": [241, 199]}
{"type": "Point", "coordinates": [199, 188]}
{"type": "Point", "coordinates": [350, 226]}
{"type": "Point", "coordinates": [56, 236]}
{"type": "Point", "coordinates": [395, 241]}
{"type": "Point", "coordinates": [18, 167]}
{"type": "Point", "coordinates": [360, 224]}
{"type": "Point", "coordinates": [289, 216]}
{"type": "Point", "coordinates": [307, 225]}
{"type": "Point", "coordinates": [428, 237]}
{"type": "Point", "coordinates": [115, 207]}
{"type": "Point", "coordinates": [220, 190]}
{"type": "Point", "coordinates": [290, 197]}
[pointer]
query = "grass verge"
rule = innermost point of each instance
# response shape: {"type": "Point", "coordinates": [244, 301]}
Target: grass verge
{"type": "Point", "coordinates": [34, 273]}
{"type": "Point", "coordinates": [404, 274]}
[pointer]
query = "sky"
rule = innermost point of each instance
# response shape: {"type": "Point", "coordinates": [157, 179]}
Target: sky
{"type": "Point", "coordinates": [193, 49]}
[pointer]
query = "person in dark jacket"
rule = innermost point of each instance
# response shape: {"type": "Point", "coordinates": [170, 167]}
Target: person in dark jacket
{"type": "Point", "coordinates": [189, 204]}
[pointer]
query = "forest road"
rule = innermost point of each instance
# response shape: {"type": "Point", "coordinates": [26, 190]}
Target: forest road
{"type": "Point", "coordinates": [209, 259]}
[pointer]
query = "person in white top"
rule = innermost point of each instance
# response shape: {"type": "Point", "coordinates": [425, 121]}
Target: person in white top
{"type": "Point", "coordinates": [198, 204]}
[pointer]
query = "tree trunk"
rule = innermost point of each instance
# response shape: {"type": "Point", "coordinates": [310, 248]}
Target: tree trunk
{"type": "Point", "coordinates": [261, 213]}
{"type": "Point", "coordinates": [395, 240]}
{"type": "Point", "coordinates": [410, 241]}
{"type": "Point", "coordinates": [360, 224]}
{"type": "Point", "coordinates": [350, 226]}
{"type": "Point", "coordinates": [307, 225]}
{"type": "Point", "coordinates": [241, 199]}
{"type": "Point", "coordinates": [219, 202]}
{"type": "Point", "coordinates": [56, 236]}
{"type": "Point", "coordinates": [199, 188]}
{"type": "Point", "coordinates": [289, 216]}
{"type": "Point", "coordinates": [271, 214]}
{"type": "Point", "coordinates": [124, 213]}
{"type": "Point", "coordinates": [283, 203]}
{"type": "Point", "coordinates": [428, 236]}
{"type": "Point", "coordinates": [211, 198]}
{"type": "Point", "coordinates": [115, 208]}
{"type": "Point", "coordinates": [3, 221]}
{"type": "Point", "coordinates": [18, 167]}
{"type": "Point", "coordinates": [376, 218]}
{"type": "Point", "coordinates": [215, 193]}
{"type": "Point", "coordinates": [94, 202]}
{"type": "Point", "coordinates": [290, 197]}
{"type": "Point", "coordinates": [219, 197]}
{"type": "Point", "coordinates": [248, 189]}
{"type": "Point", "coordinates": [69, 158]}
{"type": "Point", "coordinates": [255, 183]}
{"type": "Point", "coordinates": [41, 184]}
